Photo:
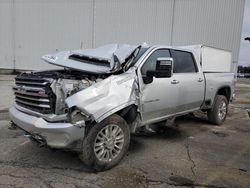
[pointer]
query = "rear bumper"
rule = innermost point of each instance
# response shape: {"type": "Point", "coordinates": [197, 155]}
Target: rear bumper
{"type": "Point", "coordinates": [56, 135]}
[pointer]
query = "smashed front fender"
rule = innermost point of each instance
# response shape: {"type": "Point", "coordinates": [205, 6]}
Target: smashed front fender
{"type": "Point", "coordinates": [107, 96]}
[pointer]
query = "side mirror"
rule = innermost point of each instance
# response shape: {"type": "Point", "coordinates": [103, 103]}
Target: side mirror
{"type": "Point", "coordinates": [164, 69]}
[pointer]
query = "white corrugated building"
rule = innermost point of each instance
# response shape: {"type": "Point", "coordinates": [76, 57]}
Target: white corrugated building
{"type": "Point", "coordinates": [31, 28]}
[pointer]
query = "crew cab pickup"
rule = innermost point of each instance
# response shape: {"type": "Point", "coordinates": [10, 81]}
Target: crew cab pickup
{"type": "Point", "coordinates": [102, 95]}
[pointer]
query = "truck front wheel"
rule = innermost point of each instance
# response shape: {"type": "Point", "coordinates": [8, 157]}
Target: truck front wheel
{"type": "Point", "coordinates": [106, 143]}
{"type": "Point", "coordinates": [218, 113]}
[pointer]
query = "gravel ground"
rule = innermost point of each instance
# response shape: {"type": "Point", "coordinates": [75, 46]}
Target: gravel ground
{"type": "Point", "coordinates": [192, 153]}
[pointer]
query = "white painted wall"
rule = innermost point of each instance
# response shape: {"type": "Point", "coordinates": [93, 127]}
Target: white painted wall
{"type": "Point", "coordinates": [6, 36]}
{"type": "Point", "coordinates": [31, 28]}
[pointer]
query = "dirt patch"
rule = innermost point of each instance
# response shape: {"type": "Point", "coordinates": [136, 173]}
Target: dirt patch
{"type": "Point", "coordinates": [219, 133]}
{"type": "Point", "coordinates": [135, 146]}
{"type": "Point", "coordinates": [179, 180]}
{"type": "Point", "coordinates": [124, 177]}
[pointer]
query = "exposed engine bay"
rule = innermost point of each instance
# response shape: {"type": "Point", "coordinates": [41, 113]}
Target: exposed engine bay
{"type": "Point", "coordinates": [40, 91]}
{"type": "Point", "coordinates": [73, 81]}
{"type": "Point", "coordinates": [70, 82]}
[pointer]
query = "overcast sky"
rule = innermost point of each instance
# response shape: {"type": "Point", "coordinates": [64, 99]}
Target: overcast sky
{"type": "Point", "coordinates": [244, 58]}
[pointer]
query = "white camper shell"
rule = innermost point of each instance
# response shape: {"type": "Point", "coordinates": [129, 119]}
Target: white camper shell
{"type": "Point", "coordinates": [211, 59]}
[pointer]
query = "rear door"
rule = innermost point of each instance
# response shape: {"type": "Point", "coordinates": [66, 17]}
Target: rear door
{"type": "Point", "coordinates": [190, 80]}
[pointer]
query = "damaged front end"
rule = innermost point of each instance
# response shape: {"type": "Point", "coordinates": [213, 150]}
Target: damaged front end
{"type": "Point", "coordinates": [44, 93]}
{"type": "Point", "coordinates": [106, 89]}
{"type": "Point", "coordinates": [58, 104]}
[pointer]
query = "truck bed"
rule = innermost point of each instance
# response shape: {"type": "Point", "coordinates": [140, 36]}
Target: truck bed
{"type": "Point", "coordinates": [214, 81]}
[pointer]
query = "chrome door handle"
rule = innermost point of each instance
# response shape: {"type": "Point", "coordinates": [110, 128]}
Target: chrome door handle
{"type": "Point", "coordinates": [200, 80]}
{"type": "Point", "coordinates": [175, 82]}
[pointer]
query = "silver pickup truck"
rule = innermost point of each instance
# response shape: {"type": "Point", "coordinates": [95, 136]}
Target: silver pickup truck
{"type": "Point", "coordinates": [102, 95]}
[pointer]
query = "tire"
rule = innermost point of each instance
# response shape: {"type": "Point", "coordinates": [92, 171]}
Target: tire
{"type": "Point", "coordinates": [218, 113]}
{"type": "Point", "coordinates": [101, 154]}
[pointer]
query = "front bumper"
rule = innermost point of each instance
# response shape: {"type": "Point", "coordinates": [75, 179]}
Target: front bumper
{"type": "Point", "coordinates": [56, 135]}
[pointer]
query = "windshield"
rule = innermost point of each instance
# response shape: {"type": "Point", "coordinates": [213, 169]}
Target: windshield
{"type": "Point", "coordinates": [140, 53]}
{"type": "Point", "coordinates": [142, 50]}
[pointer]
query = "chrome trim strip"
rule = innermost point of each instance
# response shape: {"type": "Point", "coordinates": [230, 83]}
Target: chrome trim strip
{"type": "Point", "coordinates": [33, 99]}
{"type": "Point", "coordinates": [29, 93]}
{"type": "Point", "coordinates": [33, 104]}
{"type": "Point", "coordinates": [28, 88]}
{"type": "Point", "coordinates": [34, 83]}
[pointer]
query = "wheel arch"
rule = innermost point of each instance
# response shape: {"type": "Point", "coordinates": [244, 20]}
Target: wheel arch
{"type": "Point", "coordinates": [225, 91]}
{"type": "Point", "coordinates": [122, 110]}
{"type": "Point", "coordinates": [128, 113]}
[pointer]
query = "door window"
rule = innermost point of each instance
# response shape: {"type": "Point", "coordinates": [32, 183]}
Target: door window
{"type": "Point", "coordinates": [150, 63]}
{"type": "Point", "coordinates": [183, 62]}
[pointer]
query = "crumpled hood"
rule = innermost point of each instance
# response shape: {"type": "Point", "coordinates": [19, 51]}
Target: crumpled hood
{"type": "Point", "coordinates": [104, 59]}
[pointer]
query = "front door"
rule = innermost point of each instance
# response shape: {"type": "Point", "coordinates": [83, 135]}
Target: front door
{"type": "Point", "coordinates": [157, 99]}
{"type": "Point", "coordinates": [183, 92]}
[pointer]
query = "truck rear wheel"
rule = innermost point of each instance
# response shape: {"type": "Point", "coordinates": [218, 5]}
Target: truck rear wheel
{"type": "Point", "coordinates": [106, 143]}
{"type": "Point", "coordinates": [218, 113]}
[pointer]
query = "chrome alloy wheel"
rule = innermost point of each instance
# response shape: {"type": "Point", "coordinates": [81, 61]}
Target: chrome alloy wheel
{"type": "Point", "coordinates": [222, 111]}
{"type": "Point", "coordinates": [109, 143]}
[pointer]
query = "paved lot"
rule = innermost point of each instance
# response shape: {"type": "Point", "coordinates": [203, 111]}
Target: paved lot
{"type": "Point", "coordinates": [194, 153]}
